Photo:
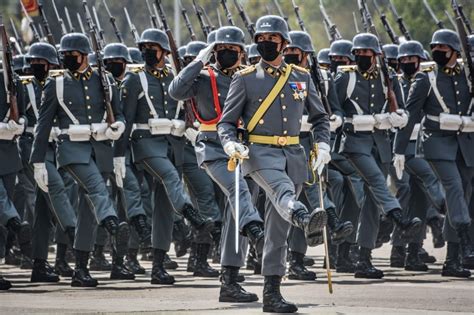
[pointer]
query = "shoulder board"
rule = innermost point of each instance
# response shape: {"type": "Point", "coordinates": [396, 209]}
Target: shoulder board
{"type": "Point", "coordinates": [25, 79]}
{"type": "Point", "coordinates": [427, 66]}
{"type": "Point", "coordinates": [247, 70]}
{"type": "Point", "coordinates": [300, 69]}
{"type": "Point", "coordinates": [135, 68]}
{"type": "Point", "coordinates": [56, 73]}
{"type": "Point", "coordinates": [348, 68]}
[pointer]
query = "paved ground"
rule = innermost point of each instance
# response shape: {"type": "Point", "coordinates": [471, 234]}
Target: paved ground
{"type": "Point", "coordinates": [401, 292]}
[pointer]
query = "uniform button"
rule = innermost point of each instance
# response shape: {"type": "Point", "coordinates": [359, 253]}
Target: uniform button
{"type": "Point", "coordinates": [357, 98]}
{"type": "Point", "coordinates": [90, 117]}
{"type": "Point", "coordinates": [166, 112]}
{"type": "Point", "coordinates": [165, 93]}
{"type": "Point", "coordinates": [261, 121]}
{"type": "Point", "coordinates": [373, 95]}
{"type": "Point", "coordinates": [372, 86]}
{"type": "Point", "coordinates": [151, 113]}
{"type": "Point", "coordinates": [459, 102]}
{"type": "Point", "coordinates": [151, 97]}
{"type": "Point", "coordinates": [70, 102]}
{"type": "Point", "coordinates": [163, 84]}
{"type": "Point", "coordinates": [285, 119]}
{"type": "Point", "coordinates": [371, 104]}
{"type": "Point", "coordinates": [84, 79]}
{"type": "Point", "coordinates": [457, 92]}
{"type": "Point", "coordinates": [455, 82]}
{"type": "Point", "coordinates": [88, 97]}
{"type": "Point", "coordinates": [88, 107]}
{"type": "Point", "coordinates": [218, 94]}
{"type": "Point", "coordinates": [285, 132]}
{"type": "Point", "coordinates": [299, 120]}
{"type": "Point", "coordinates": [460, 113]}
{"type": "Point", "coordinates": [166, 102]}
{"type": "Point", "coordinates": [283, 107]}
{"type": "Point", "coordinates": [282, 95]}
{"type": "Point", "coordinates": [259, 99]}
{"type": "Point", "coordinates": [86, 88]}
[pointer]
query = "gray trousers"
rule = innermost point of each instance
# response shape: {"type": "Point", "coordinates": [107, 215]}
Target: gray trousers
{"type": "Point", "coordinates": [456, 178]}
{"type": "Point", "coordinates": [228, 255]}
{"type": "Point", "coordinates": [377, 196]}
{"type": "Point", "coordinates": [162, 219]}
{"type": "Point", "coordinates": [25, 194]}
{"type": "Point", "coordinates": [7, 209]}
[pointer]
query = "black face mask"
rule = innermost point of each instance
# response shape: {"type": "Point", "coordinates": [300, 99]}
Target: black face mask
{"type": "Point", "coordinates": [40, 71]}
{"type": "Point", "coordinates": [227, 58]}
{"type": "Point", "coordinates": [409, 68]}
{"type": "Point", "coordinates": [116, 68]}
{"type": "Point", "coordinates": [364, 62]}
{"type": "Point", "coordinates": [268, 50]}
{"type": "Point", "coordinates": [440, 57]}
{"type": "Point", "coordinates": [71, 63]}
{"type": "Point", "coordinates": [292, 59]}
{"type": "Point", "coordinates": [149, 55]}
{"type": "Point", "coordinates": [393, 65]}
{"type": "Point", "coordinates": [335, 64]}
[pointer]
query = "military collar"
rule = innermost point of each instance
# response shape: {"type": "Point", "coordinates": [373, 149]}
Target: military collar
{"type": "Point", "coordinates": [370, 75]}
{"type": "Point", "coordinates": [86, 74]}
{"type": "Point", "coordinates": [452, 71]}
{"type": "Point", "coordinates": [229, 72]}
{"type": "Point", "coordinates": [158, 73]}
{"type": "Point", "coordinates": [273, 71]}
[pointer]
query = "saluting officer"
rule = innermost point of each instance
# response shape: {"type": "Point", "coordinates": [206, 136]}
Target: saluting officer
{"type": "Point", "coordinates": [209, 87]}
{"type": "Point", "coordinates": [270, 98]}
{"type": "Point", "coordinates": [442, 95]}
{"type": "Point", "coordinates": [76, 99]}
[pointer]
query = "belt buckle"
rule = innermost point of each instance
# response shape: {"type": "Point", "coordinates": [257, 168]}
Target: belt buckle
{"type": "Point", "coordinates": [282, 141]}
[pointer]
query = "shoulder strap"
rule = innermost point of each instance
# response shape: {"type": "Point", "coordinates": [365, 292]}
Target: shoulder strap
{"type": "Point", "coordinates": [268, 101]}
{"type": "Point", "coordinates": [434, 87]}
{"type": "Point", "coordinates": [385, 91]}
{"type": "Point", "coordinates": [325, 76]}
{"type": "Point", "coordinates": [350, 89]}
{"type": "Point", "coordinates": [144, 83]}
{"type": "Point", "coordinates": [60, 97]}
{"type": "Point", "coordinates": [31, 94]}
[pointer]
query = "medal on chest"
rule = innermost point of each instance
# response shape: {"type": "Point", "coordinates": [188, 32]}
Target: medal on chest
{"type": "Point", "coordinates": [299, 90]}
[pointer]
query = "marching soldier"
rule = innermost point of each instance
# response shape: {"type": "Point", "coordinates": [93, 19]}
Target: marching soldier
{"type": "Point", "coordinates": [362, 95]}
{"type": "Point", "coordinates": [270, 98]}
{"type": "Point", "coordinates": [83, 147]}
{"type": "Point", "coordinates": [442, 95]}
{"type": "Point", "coordinates": [158, 129]}
{"type": "Point", "coordinates": [195, 81]}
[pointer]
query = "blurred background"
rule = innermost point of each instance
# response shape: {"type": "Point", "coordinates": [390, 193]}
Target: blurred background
{"type": "Point", "coordinates": [343, 13]}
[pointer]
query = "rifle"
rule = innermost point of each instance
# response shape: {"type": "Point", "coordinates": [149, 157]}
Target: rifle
{"type": "Point", "coordinates": [133, 29]}
{"type": "Point", "coordinates": [18, 41]}
{"type": "Point", "coordinates": [153, 16]}
{"type": "Point", "coordinates": [438, 23]}
{"type": "Point", "coordinates": [45, 23]}
{"type": "Point", "coordinates": [8, 76]}
{"type": "Point", "coordinates": [219, 20]}
{"type": "Point", "coordinates": [298, 17]}
{"type": "Point", "coordinates": [401, 24]}
{"type": "Point", "coordinates": [104, 80]}
{"type": "Point", "coordinates": [79, 19]}
{"type": "Point", "coordinates": [69, 21]}
{"type": "Point", "coordinates": [391, 99]}
{"type": "Point", "coordinates": [208, 20]}
{"type": "Point", "coordinates": [386, 24]}
{"type": "Point", "coordinates": [227, 12]}
{"type": "Point", "coordinates": [466, 50]}
{"type": "Point", "coordinates": [30, 23]}
{"type": "Point", "coordinates": [204, 27]}
{"type": "Point", "coordinates": [281, 13]}
{"type": "Point", "coordinates": [331, 27]}
{"type": "Point", "coordinates": [112, 21]}
{"type": "Point", "coordinates": [188, 24]}
{"type": "Point", "coordinates": [245, 18]}
{"type": "Point", "coordinates": [463, 17]}
{"type": "Point", "coordinates": [363, 18]}
{"type": "Point", "coordinates": [99, 28]}
{"type": "Point", "coordinates": [355, 22]}
{"type": "Point", "coordinates": [60, 20]}
{"type": "Point", "coordinates": [450, 18]}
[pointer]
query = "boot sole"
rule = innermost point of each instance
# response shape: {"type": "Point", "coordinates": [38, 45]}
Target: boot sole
{"type": "Point", "coordinates": [228, 299]}
{"type": "Point", "coordinates": [315, 227]}
{"type": "Point", "coordinates": [268, 309]}
{"type": "Point", "coordinates": [339, 236]}
{"type": "Point", "coordinates": [161, 282]}
{"type": "Point", "coordinates": [367, 277]}
{"type": "Point", "coordinates": [82, 285]}
{"type": "Point", "coordinates": [416, 269]}
{"type": "Point", "coordinates": [444, 274]}
{"type": "Point", "coordinates": [292, 277]}
{"type": "Point", "coordinates": [34, 280]}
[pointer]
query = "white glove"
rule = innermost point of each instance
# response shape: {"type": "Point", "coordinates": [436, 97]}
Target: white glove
{"type": "Point", "coordinates": [205, 54]}
{"type": "Point", "coordinates": [399, 118]}
{"type": "Point", "coordinates": [179, 127]}
{"type": "Point", "coordinates": [115, 130]}
{"type": "Point", "coordinates": [399, 164]}
{"type": "Point", "coordinates": [17, 127]}
{"type": "Point", "coordinates": [232, 147]}
{"type": "Point", "coordinates": [41, 176]}
{"type": "Point", "coordinates": [323, 158]}
{"type": "Point", "coordinates": [191, 134]}
{"type": "Point", "coordinates": [335, 121]}
{"type": "Point", "coordinates": [119, 170]}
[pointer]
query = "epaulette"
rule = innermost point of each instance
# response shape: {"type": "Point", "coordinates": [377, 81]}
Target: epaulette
{"type": "Point", "coordinates": [247, 70]}
{"type": "Point", "coordinates": [135, 68]}
{"type": "Point", "coordinates": [300, 69]}
{"type": "Point", "coordinates": [348, 68]}
{"type": "Point", "coordinates": [427, 66]}
{"type": "Point", "coordinates": [56, 72]}
{"type": "Point", "coordinates": [26, 79]}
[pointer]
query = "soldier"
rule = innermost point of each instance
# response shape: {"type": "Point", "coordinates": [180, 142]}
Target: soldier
{"type": "Point", "coordinates": [323, 58]}
{"type": "Point", "coordinates": [253, 55]}
{"type": "Point", "coordinates": [340, 54]}
{"type": "Point", "coordinates": [362, 93]}
{"type": "Point", "coordinates": [441, 94]}
{"type": "Point", "coordinates": [297, 53]}
{"type": "Point", "coordinates": [54, 204]}
{"type": "Point", "coordinates": [158, 128]}
{"type": "Point", "coordinates": [270, 98]}
{"type": "Point", "coordinates": [83, 147]}
{"type": "Point", "coordinates": [195, 81]}
{"type": "Point", "coordinates": [391, 52]}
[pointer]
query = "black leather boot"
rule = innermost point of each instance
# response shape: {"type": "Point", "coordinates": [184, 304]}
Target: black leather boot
{"type": "Point", "coordinates": [273, 302]}
{"type": "Point", "coordinates": [71, 235]}
{"type": "Point", "coordinates": [216, 234]}
{"type": "Point", "coordinates": [339, 229]}
{"type": "Point", "coordinates": [364, 267]}
{"type": "Point", "coordinates": [61, 267]}
{"type": "Point", "coordinates": [311, 223]}
{"type": "Point", "coordinates": [132, 263]}
{"type": "Point", "coordinates": [170, 264]}
{"type": "Point", "coordinates": [452, 266]}
{"type": "Point", "coordinates": [196, 219]}
{"type": "Point", "coordinates": [297, 270]}
{"type": "Point", "coordinates": [254, 232]}
{"type": "Point", "coordinates": [413, 261]}
{"type": "Point", "coordinates": [81, 276]}
{"type": "Point", "coordinates": [98, 260]}
{"type": "Point", "coordinates": [332, 256]}
{"type": "Point", "coordinates": [140, 224]}
{"type": "Point", "coordinates": [385, 230]}
{"type": "Point", "coordinates": [436, 225]}
{"type": "Point", "coordinates": [343, 263]}
{"type": "Point", "coordinates": [119, 232]}
{"type": "Point", "coordinates": [467, 253]}
{"type": "Point", "coordinates": [397, 257]}
{"type": "Point", "coordinates": [182, 237]}
{"type": "Point", "coordinates": [425, 257]}
{"type": "Point", "coordinates": [308, 261]}
{"type": "Point", "coordinates": [192, 258]}
{"type": "Point", "coordinates": [407, 227]}
{"type": "Point", "coordinates": [158, 273]}
{"type": "Point", "coordinates": [119, 271]}
{"type": "Point", "coordinates": [202, 268]}
{"type": "Point", "coordinates": [43, 272]}
{"type": "Point", "coordinates": [231, 291]}
{"type": "Point", "coordinates": [4, 284]}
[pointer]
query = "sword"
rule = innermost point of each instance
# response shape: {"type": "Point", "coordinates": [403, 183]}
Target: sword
{"type": "Point", "coordinates": [325, 236]}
